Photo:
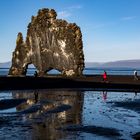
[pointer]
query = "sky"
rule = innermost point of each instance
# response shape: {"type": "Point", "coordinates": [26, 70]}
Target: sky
{"type": "Point", "coordinates": [110, 28]}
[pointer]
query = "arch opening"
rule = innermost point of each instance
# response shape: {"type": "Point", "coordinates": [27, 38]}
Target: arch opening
{"type": "Point", "coordinates": [53, 72]}
{"type": "Point", "coordinates": [30, 70]}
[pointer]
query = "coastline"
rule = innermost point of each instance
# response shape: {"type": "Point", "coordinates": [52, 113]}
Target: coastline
{"type": "Point", "coordinates": [85, 82]}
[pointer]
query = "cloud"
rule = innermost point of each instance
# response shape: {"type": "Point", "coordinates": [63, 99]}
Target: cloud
{"type": "Point", "coordinates": [67, 12]}
{"type": "Point", "coordinates": [74, 7]}
{"type": "Point", "coordinates": [64, 14]}
{"type": "Point", "coordinates": [99, 26]}
{"type": "Point", "coordinates": [128, 18]}
{"type": "Point", "coordinates": [103, 25]}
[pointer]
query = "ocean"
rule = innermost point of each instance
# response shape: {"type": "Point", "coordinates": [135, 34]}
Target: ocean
{"type": "Point", "coordinates": [87, 71]}
{"type": "Point", "coordinates": [70, 114]}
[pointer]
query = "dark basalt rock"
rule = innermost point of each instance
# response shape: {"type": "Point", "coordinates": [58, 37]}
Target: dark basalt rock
{"type": "Point", "coordinates": [50, 44]}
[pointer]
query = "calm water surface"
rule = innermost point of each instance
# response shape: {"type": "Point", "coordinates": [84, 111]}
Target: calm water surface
{"type": "Point", "coordinates": [110, 71]}
{"type": "Point", "coordinates": [68, 115]}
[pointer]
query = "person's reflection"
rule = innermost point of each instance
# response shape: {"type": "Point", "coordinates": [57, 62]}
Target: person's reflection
{"type": "Point", "coordinates": [104, 95]}
{"type": "Point", "coordinates": [135, 94]}
{"type": "Point", "coordinates": [36, 96]}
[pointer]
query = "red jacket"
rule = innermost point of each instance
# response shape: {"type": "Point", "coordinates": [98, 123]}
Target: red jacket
{"type": "Point", "coordinates": [105, 75]}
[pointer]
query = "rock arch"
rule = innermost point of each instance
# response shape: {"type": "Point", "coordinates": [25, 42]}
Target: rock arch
{"type": "Point", "coordinates": [50, 44]}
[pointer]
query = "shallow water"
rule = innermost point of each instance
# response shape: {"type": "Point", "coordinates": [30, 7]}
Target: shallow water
{"type": "Point", "coordinates": [62, 114]}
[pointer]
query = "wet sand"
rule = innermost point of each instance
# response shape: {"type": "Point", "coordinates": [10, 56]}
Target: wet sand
{"type": "Point", "coordinates": [89, 82]}
{"type": "Point", "coordinates": [70, 115]}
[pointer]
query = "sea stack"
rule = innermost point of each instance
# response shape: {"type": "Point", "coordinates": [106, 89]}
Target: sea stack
{"type": "Point", "coordinates": [50, 44]}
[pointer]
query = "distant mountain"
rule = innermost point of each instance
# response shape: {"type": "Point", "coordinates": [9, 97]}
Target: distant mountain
{"type": "Point", "coordinates": [115, 64]}
{"type": "Point", "coordinates": [5, 65]}
{"type": "Point", "coordinates": [8, 65]}
{"type": "Point", "coordinates": [123, 64]}
{"type": "Point", "coordinates": [92, 64]}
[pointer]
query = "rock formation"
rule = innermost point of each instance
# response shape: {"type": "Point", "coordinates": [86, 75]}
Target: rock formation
{"type": "Point", "coordinates": [50, 44]}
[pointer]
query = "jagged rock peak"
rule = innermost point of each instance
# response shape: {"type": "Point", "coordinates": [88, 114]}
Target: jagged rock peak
{"type": "Point", "coordinates": [19, 40]}
{"type": "Point", "coordinates": [50, 44]}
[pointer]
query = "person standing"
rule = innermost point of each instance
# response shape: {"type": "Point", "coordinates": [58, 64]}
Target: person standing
{"type": "Point", "coordinates": [35, 74]}
{"type": "Point", "coordinates": [105, 76]}
{"type": "Point", "coordinates": [135, 75]}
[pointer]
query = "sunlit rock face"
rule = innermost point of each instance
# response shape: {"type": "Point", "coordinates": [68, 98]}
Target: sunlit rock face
{"type": "Point", "coordinates": [20, 57]}
{"type": "Point", "coordinates": [50, 44]}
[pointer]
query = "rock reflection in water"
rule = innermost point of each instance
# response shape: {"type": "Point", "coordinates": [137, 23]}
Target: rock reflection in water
{"type": "Point", "coordinates": [54, 114]}
{"type": "Point", "coordinates": [57, 108]}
